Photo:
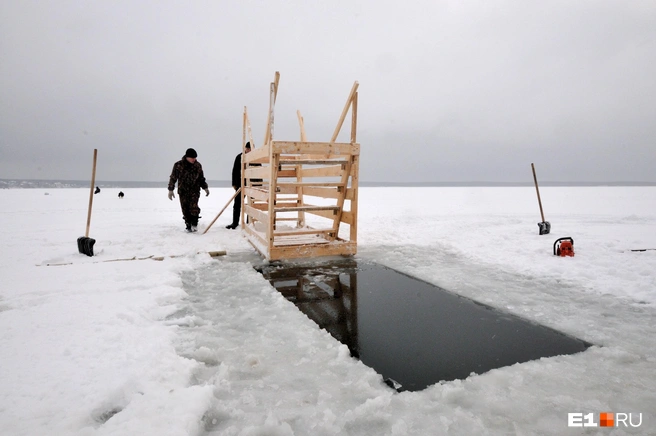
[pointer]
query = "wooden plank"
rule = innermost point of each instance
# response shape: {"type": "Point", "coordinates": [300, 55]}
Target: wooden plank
{"type": "Point", "coordinates": [340, 201]}
{"type": "Point", "coordinates": [287, 202]}
{"type": "Point", "coordinates": [257, 194]}
{"type": "Point", "coordinates": [348, 103]}
{"type": "Point", "coordinates": [325, 150]}
{"type": "Point", "coordinates": [348, 218]}
{"type": "Point", "coordinates": [327, 192]}
{"type": "Point", "coordinates": [271, 223]}
{"type": "Point", "coordinates": [286, 197]}
{"type": "Point", "coordinates": [260, 160]}
{"type": "Point", "coordinates": [260, 206]}
{"type": "Point", "coordinates": [300, 217]}
{"type": "Point", "coordinates": [354, 118]}
{"type": "Point", "coordinates": [256, 240]}
{"type": "Point", "coordinates": [224, 208]}
{"type": "Point", "coordinates": [287, 172]}
{"type": "Point", "coordinates": [242, 199]}
{"type": "Point", "coordinates": [306, 208]}
{"type": "Point", "coordinates": [305, 231]}
{"type": "Point", "coordinates": [301, 124]}
{"type": "Point", "coordinates": [250, 132]}
{"type": "Point", "coordinates": [242, 183]}
{"type": "Point", "coordinates": [321, 192]}
{"type": "Point", "coordinates": [273, 93]}
{"type": "Point", "coordinates": [307, 239]}
{"type": "Point", "coordinates": [256, 213]}
{"type": "Point", "coordinates": [323, 213]}
{"type": "Point", "coordinates": [257, 172]}
{"type": "Point", "coordinates": [312, 161]}
{"type": "Point", "coordinates": [304, 184]}
{"type": "Point", "coordinates": [291, 289]}
{"type": "Point", "coordinates": [305, 251]}
{"type": "Point", "coordinates": [243, 130]}
{"type": "Point", "coordinates": [250, 230]}
{"type": "Point", "coordinates": [261, 155]}
{"type": "Point", "coordinates": [331, 171]}
{"type": "Point", "coordinates": [353, 231]}
{"type": "Point", "coordinates": [287, 189]}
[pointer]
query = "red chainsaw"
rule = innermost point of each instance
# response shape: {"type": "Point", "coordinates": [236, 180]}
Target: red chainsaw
{"type": "Point", "coordinates": [564, 247]}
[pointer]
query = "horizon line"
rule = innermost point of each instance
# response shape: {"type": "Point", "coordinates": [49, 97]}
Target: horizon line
{"type": "Point", "coordinates": [227, 183]}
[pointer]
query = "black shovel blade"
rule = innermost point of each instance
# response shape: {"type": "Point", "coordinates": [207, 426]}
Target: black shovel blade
{"type": "Point", "coordinates": [85, 245]}
{"type": "Point", "coordinates": [545, 227]}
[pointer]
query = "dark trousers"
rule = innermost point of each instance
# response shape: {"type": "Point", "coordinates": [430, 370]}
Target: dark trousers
{"type": "Point", "coordinates": [189, 206]}
{"type": "Point", "coordinates": [236, 210]}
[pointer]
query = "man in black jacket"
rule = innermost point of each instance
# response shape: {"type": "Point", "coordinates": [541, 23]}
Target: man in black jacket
{"type": "Point", "coordinates": [188, 173]}
{"type": "Point", "coordinates": [236, 184]}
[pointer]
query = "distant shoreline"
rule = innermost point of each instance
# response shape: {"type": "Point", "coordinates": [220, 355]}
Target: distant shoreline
{"type": "Point", "coordinates": [51, 184]}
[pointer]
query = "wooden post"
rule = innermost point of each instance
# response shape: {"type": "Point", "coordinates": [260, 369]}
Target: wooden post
{"type": "Point", "coordinates": [354, 118]}
{"type": "Point", "coordinates": [353, 234]}
{"type": "Point", "coordinates": [242, 164]}
{"type": "Point", "coordinates": [273, 166]}
{"type": "Point", "coordinates": [244, 199]}
{"type": "Point", "coordinates": [340, 200]}
{"type": "Point", "coordinates": [250, 133]}
{"type": "Point", "coordinates": [353, 229]}
{"type": "Point", "coordinates": [301, 124]}
{"type": "Point", "coordinates": [300, 221]}
{"type": "Point", "coordinates": [274, 87]}
{"type": "Point", "coordinates": [344, 111]}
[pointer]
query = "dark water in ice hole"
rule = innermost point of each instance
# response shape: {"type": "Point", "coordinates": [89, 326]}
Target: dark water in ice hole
{"type": "Point", "coordinates": [410, 331]}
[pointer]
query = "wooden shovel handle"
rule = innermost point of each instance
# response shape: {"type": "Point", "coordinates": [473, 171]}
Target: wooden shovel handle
{"type": "Point", "coordinates": [224, 208]}
{"type": "Point", "coordinates": [538, 191]}
{"type": "Point", "coordinates": [93, 183]}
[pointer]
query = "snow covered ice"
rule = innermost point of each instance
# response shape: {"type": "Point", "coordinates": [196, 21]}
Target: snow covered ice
{"type": "Point", "coordinates": [194, 345]}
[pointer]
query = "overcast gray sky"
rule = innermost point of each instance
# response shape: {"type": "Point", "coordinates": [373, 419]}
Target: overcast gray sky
{"type": "Point", "coordinates": [449, 90]}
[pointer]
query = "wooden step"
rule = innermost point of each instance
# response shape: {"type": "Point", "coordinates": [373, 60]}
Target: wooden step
{"type": "Point", "coordinates": [303, 208]}
{"type": "Point", "coordinates": [304, 231]}
{"type": "Point", "coordinates": [312, 161]}
{"type": "Point", "coordinates": [318, 184]}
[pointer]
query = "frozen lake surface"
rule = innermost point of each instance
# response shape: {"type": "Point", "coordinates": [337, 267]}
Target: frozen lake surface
{"type": "Point", "coordinates": [207, 346]}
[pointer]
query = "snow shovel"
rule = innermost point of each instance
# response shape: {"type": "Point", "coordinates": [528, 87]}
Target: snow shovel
{"type": "Point", "coordinates": [85, 243]}
{"type": "Point", "coordinates": [545, 226]}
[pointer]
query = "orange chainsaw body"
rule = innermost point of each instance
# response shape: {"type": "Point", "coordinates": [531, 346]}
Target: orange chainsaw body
{"type": "Point", "coordinates": [564, 247]}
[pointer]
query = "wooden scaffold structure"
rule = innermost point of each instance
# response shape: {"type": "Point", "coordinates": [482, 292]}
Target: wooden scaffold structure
{"type": "Point", "coordinates": [300, 198]}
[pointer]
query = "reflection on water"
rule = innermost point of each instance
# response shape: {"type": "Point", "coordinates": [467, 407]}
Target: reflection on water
{"type": "Point", "coordinates": [408, 330]}
{"type": "Point", "coordinates": [326, 293]}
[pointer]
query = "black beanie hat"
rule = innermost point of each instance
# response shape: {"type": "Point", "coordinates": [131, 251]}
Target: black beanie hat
{"type": "Point", "coordinates": [248, 144]}
{"type": "Point", "coordinates": [191, 153]}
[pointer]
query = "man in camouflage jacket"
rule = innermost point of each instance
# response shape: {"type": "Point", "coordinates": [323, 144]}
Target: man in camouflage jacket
{"type": "Point", "coordinates": [188, 173]}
